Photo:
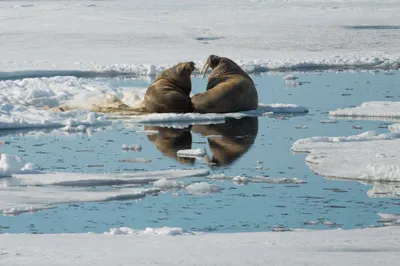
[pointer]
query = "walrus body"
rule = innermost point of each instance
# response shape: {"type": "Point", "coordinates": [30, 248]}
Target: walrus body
{"type": "Point", "coordinates": [170, 92]}
{"type": "Point", "coordinates": [229, 89]}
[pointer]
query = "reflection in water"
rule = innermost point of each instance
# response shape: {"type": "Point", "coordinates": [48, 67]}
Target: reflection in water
{"type": "Point", "coordinates": [170, 140]}
{"type": "Point", "coordinates": [238, 135]}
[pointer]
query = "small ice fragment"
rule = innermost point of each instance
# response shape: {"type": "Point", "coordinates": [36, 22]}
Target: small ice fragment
{"type": "Point", "coordinates": [240, 179]}
{"type": "Point", "coordinates": [202, 188]}
{"type": "Point", "coordinates": [328, 121]}
{"type": "Point", "coordinates": [329, 223]}
{"type": "Point", "coordinates": [311, 223]}
{"type": "Point", "coordinates": [290, 77]}
{"type": "Point", "coordinates": [148, 132]}
{"type": "Point", "coordinates": [135, 160]}
{"type": "Point", "coordinates": [258, 162]}
{"type": "Point", "coordinates": [191, 153]}
{"type": "Point", "coordinates": [135, 147]}
{"type": "Point", "coordinates": [301, 127]}
{"type": "Point", "coordinates": [357, 127]}
{"type": "Point", "coordinates": [168, 184]}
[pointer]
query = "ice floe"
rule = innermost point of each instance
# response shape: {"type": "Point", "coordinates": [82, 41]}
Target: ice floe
{"type": "Point", "coordinates": [368, 156]}
{"type": "Point", "coordinates": [17, 200]}
{"type": "Point", "coordinates": [177, 246]}
{"type": "Point", "coordinates": [103, 179]}
{"type": "Point", "coordinates": [12, 164]}
{"type": "Point", "coordinates": [378, 110]}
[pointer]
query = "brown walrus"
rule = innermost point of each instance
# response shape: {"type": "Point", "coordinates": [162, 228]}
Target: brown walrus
{"type": "Point", "coordinates": [229, 88]}
{"type": "Point", "coordinates": [170, 92]}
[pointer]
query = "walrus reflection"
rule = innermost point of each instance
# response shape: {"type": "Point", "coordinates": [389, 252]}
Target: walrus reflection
{"type": "Point", "coordinates": [170, 140]}
{"type": "Point", "coordinates": [238, 135]}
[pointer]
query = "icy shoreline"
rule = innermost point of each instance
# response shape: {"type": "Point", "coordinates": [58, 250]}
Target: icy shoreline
{"type": "Point", "coordinates": [159, 246]}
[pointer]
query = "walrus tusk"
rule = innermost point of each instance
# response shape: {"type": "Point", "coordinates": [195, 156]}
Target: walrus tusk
{"type": "Point", "coordinates": [206, 66]}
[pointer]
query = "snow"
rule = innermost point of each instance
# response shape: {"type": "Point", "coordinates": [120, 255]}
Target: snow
{"type": "Point", "coordinates": [148, 36]}
{"type": "Point", "coordinates": [368, 156]}
{"type": "Point", "coordinates": [191, 153]}
{"type": "Point", "coordinates": [202, 188]}
{"type": "Point", "coordinates": [164, 246]}
{"type": "Point", "coordinates": [383, 109]}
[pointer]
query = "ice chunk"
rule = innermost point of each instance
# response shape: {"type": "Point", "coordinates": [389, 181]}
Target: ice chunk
{"type": "Point", "coordinates": [202, 188]}
{"type": "Point", "coordinates": [168, 184]}
{"type": "Point", "coordinates": [191, 153]}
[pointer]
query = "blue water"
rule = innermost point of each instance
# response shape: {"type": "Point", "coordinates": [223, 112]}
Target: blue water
{"type": "Point", "coordinates": [252, 207]}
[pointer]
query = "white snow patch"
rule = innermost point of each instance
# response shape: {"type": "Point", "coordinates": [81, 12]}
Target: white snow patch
{"type": "Point", "coordinates": [202, 188]}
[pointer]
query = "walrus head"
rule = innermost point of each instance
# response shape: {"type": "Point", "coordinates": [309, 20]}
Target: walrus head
{"type": "Point", "coordinates": [179, 75]}
{"type": "Point", "coordinates": [222, 66]}
{"type": "Point", "coordinates": [212, 61]}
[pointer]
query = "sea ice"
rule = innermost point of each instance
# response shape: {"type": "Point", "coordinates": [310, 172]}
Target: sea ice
{"type": "Point", "coordinates": [368, 156]}
{"type": "Point", "coordinates": [166, 184]}
{"type": "Point", "coordinates": [370, 110]}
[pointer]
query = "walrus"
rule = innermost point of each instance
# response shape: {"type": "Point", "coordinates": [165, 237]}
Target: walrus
{"type": "Point", "coordinates": [238, 136]}
{"type": "Point", "coordinates": [170, 140]}
{"type": "Point", "coordinates": [229, 88]}
{"type": "Point", "coordinates": [170, 92]}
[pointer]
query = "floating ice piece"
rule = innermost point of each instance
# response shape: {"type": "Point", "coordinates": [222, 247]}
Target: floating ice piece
{"type": "Point", "coordinates": [165, 230]}
{"type": "Point", "coordinates": [135, 160]}
{"type": "Point", "coordinates": [354, 157]}
{"type": "Point", "coordinates": [135, 147]}
{"type": "Point", "coordinates": [148, 132]}
{"type": "Point", "coordinates": [387, 217]}
{"type": "Point", "coordinates": [258, 179]}
{"type": "Point", "coordinates": [12, 164]}
{"type": "Point", "coordinates": [191, 153]}
{"type": "Point", "coordinates": [202, 188]}
{"type": "Point", "coordinates": [290, 77]}
{"type": "Point", "coordinates": [168, 184]}
{"type": "Point", "coordinates": [394, 128]}
{"type": "Point", "coordinates": [371, 109]}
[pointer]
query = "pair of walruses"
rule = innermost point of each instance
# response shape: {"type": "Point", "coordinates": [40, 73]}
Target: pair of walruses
{"type": "Point", "coordinates": [229, 89]}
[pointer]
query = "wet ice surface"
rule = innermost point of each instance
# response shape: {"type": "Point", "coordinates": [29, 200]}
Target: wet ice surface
{"type": "Point", "coordinates": [259, 147]}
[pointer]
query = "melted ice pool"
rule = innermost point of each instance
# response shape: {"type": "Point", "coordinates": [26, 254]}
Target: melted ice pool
{"type": "Point", "coordinates": [255, 181]}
